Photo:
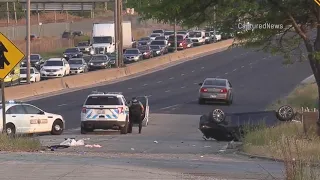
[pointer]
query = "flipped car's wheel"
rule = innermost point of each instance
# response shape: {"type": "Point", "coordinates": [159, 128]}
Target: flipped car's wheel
{"type": "Point", "coordinates": [10, 129]}
{"type": "Point", "coordinates": [230, 100]}
{"type": "Point", "coordinates": [57, 127]}
{"type": "Point", "coordinates": [218, 115]}
{"type": "Point", "coordinates": [285, 113]}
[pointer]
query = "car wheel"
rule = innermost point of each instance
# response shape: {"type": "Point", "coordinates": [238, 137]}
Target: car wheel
{"type": "Point", "coordinates": [57, 127]}
{"type": "Point", "coordinates": [201, 101]}
{"type": "Point", "coordinates": [124, 130]}
{"type": "Point", "coordinates": [230, 100]}
{"type": "Point", "coordinates": [10, 129]}
{"type": "Point", "coordinates": [285, 113]}
{"type": "Point", "coordinates": [85, 130]}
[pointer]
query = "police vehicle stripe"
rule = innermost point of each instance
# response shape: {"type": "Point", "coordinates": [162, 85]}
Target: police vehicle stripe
{"type": "Point", "coordinates": [109, 114]}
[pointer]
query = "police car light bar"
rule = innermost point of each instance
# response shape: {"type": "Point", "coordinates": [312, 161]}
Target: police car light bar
{"type": "Point", "coordinates": [120, 93]}
{"type": "Point", "coordinates": [97, 92]}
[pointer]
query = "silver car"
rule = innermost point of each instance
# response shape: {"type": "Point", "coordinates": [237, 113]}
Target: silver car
{"type": "Point", "coordinates": [132, 55]}
{"type": "Point", "coordinates": [216, 89]}
{"type": "Point", "coordinates": [78, 65]}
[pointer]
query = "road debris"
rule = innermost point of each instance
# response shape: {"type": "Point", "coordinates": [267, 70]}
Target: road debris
{"type": "Point", "coordinates": [155, 142]}
{"type": "Point", "coordinates": [93, 146]}
{"type": "Point", "coordinates": [72, 142]}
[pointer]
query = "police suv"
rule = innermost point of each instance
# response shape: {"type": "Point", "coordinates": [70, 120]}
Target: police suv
{"type": "Point", "coordinates": [108, 111]}
{"type": "Point", "coordinates": [23, 118]}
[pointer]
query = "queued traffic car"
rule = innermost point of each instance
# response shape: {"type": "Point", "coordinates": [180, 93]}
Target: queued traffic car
{"type": "Point", "coordinates": [189, 43]}
{"type": "Point", "coordinates": [34, 75]}
{"type": "Point", "coordinates": [146, 51]}
{"type": "Point", "coordinates": [185, 33]}
{"type": "Point", "coordinates": [55, 68]}
{"type": "Point", "coordinates": [216, 89]}
{"type": "Point", "coordinates": [163, 44]}
{"type": "Point", "coordinates": [157, 50]}
{"type": "Point", "coordinates": [161, 38]}
{"type": "Point", "coordinates": [112, 58]}
{"type": "Point", "coordinates": [181, 43]}
{"type": "Point", "coordinates": [72, 53]}
{"type": "Point", "coordinates": [78, 65]}
{"type": "Point", "coordinates": [23, 118]}
{"type": "Point", "coordinates": [154, 35]}
{"type": "Point", "coordinates": [158, 31]}
{"type": "Point", "coordinates": [35, 61]}
{"type": "Point", "coordinates": [99, 61]}
{"type": "Point", "coordinates": [84, 47]}
{"type": "Point", "coordinates": [208, 38]}
{"type": "Point", "coordinates": [168, 33]}
{"type": "Point", "coordinates": [132, 55]}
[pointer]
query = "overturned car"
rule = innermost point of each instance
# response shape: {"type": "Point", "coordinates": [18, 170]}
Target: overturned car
{"type": "Point", "coordinates": [222, 126]}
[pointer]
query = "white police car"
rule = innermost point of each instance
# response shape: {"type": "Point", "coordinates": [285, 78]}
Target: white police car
{"type": "Point", "coordinates": [23, 118]}
{"type": "Point", "coordinates": [108, 111]}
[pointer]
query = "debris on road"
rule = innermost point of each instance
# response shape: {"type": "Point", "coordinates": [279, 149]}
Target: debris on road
{"type": "Point", "coordinates": [92, 146]}
{"type": "Point", "coordinates": [72, 142]}
{"type": "Point", "coordinates": [155, 142]}
{"type": "Point", "coordinates": [132, 149]}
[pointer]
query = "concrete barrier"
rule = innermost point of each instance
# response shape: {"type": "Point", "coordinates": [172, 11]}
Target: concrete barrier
{"type": "Point", "coordinates": [95, 77]}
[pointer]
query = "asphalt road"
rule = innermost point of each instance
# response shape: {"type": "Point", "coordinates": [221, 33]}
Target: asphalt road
{"type": "Point", "coordinates": [257, 78]}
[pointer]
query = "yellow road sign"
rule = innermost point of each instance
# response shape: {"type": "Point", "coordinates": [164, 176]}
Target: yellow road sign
{"type": "Point", "coordinates": [10, 56]}
{"type": "Point", "coordinates": [317, 1]}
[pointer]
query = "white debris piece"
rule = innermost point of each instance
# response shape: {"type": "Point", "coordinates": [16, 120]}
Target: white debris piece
{"type": "Point", "coordinates": [72, 142]}
{"type": "Point", "coordinates": [94, 145]}
{"type": "Point", "coordinates": [132, 149]}
{"type": "Point", "coordinates": [155, 142]}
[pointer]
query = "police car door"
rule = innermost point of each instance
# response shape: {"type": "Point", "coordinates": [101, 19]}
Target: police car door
{"type": "Point", "coordinates": [38, 119]}
{"type": "Point", "coordinates": [16, 114]}
{"type": "Point", "coordinates": [144, 100]}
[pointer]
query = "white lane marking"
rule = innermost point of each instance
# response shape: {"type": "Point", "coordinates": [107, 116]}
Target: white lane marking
{"type": "Point", "coordinates": [62, 105]}
{"type": "Point", "coordinates": [234, 70]}
{"type": "Point", "coordinates": [192, 71]}
{"type": "Point", "coordinates": [171, 78]}
{"type": "Point", "coordinates": [129, 88]}
{"type": "Point", "coordinates": [182, 74]}
{"type": "Point", "coordinates": [145, 84]}
{"type": "Point", "coordinates": [242, 66]}
{"type": "Point", "coordinates": [167, 91]}
{"type": "Point", "coordinates": [226, 73]}
{"type": "Point", "coordinates": [202, 67]}
{"type": "Point", "coordinates": [159, 82]}
{"type": "Point", "coordinates": [183, 87]}
{"type": "Point", "coordinates": [195, 83]}
{"type": "Point", "coordinates": [168, 107]}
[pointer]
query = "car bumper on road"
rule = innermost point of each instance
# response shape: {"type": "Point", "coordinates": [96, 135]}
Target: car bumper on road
{"type": "Point", "coordinates": [76, 71]}
{"type": "Point", "coordinates": [102, 124]}
{"type": "Point", "coordinates": [213, 96]}
{"type": "Point", "coordinates": [51, 75]}
{"type": "Point", "coordinates": [97, 67]}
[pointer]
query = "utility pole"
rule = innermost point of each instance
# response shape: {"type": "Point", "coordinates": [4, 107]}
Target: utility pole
{"type": "Point", "coordinates": [28, 41]}
{"type": "Point", "coordinates": [214, 23]}
{"type": "Point", "coordinates": [3, 102]}
{"type": "Point", "coordinates": [175, 35]}
{"type": "Point", "coordinates": [121, 64]}
{"type": "Point", "coordinates": [116, 32]}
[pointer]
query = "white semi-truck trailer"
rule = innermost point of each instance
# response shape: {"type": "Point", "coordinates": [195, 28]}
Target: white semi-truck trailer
{"type": "Point", "coordinates": [103, 36]}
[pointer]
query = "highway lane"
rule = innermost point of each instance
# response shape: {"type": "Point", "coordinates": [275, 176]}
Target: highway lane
{"type": "Point", "coordinates": [258, 79]}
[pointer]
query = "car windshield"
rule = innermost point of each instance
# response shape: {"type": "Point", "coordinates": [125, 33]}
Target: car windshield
{"type": "Point", "coordinates": [131, 51]}
{"type": "Point", "coordinates": [195, 34]}
{"type": "Point", "coordinates": [168, 33]}
{"type": "Point", "coordinates": [75, 61]}
{"type": "Point", "coordinates": [157, 31]}
{"type": "Point", "coordinates": [161, 43]}
{"type": "Point", "coordinates": [103, 100]}
{"type": "Point", "coordinates": [182, 32]}
{"type": "Point", "coordinates": [99, 58]}
{"type": "Point", "coordinates": [160, 38]}
{"type": "Point", "coordinates": [83, 44]}
{"type": "Point", "coordinates": [72, 50]}
{"type": "Point", "coordinates": [179, 38]}
{"type": "Point", "coordinates": [207, 34]}
{"type": "Point", "coordinates": [215, 82]}
{"type": "Point", "coordinates": [24, 71]}
{"type": "Point", "coordinates": [145, 39]}
{"type": "Point", "coordinates": [154, 35]}
{"type": "Point", "coordinates": [53, 63]}
{"type": "Point", "coordinates": [155, 47]}
{"type": "Point", "coordinates": [34, 57]}
{"type": "Point", "coordinates": [103, 39]}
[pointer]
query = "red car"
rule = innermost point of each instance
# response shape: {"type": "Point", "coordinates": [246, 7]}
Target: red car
{"type": "Point", "coordinates": [181, 42]}
{"type": "Point", "coordinates": [146, 52]}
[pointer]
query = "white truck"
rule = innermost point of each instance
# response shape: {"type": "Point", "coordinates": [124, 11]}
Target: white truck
{"type": "Point", "coordinates": [103, 37]}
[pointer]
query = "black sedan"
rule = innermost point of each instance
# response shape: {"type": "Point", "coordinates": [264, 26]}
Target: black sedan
{"type": "Point", "coordinates": [72, 53]}
{"type": "Point", "coordinates": [157, 50]}
{"type": "Point", "coordinates": [99, 62]}
{"type": "Point", "coordinates": [226, 127]}
{"type": "Point", "coordinates": [35, 61]}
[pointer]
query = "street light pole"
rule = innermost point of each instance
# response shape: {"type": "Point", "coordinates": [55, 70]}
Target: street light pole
{"type": "Point", "coordinates": [175, 35]}
{"type": "Point", "coordinates": [214, 23]}
{"type": "Point", "coordinates": [28, 41]}
{"type": "Point", "coordinates": [116, 32]}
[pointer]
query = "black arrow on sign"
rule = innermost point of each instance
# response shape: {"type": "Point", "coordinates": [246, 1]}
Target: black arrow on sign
{"type": "Point", "coordinates": [3, 58]}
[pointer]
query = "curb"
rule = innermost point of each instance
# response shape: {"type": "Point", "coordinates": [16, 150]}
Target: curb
{"type": "Point", "coordinates": [309, 80]}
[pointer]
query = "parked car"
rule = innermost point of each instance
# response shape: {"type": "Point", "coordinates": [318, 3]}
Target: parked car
{"type": "Point", "coordinates": [157, 50]}
{"type": "Point", "coordinates": [35, 61]}
{"type": "Point", "coordinates": [66, 35]}
{"type": "Point", "coordinates": [168, 33]}
{"type": "Point", "coordinates": [181, 42]}
{"type": "Point", "coordinates": [34, 75]}
{"type": "Point", "coordinates": [99, 61]}
{"type": "Point", "coordinates": [208, 38]}
{"type": "Point", "coordinates": [112, 57]}
{"type": "Point", "coordinates": [185, 33]}
{"type": "Point", "coordinates": [146, 52]}
{"type": "Point", "coordinates": [132, 55]}
{"type": "Point", "coordinates": [154, 35]}
{"type": "Point", "coordinates": [161, 43]}
{"type": "Point", "coordinates": [72, 53]}
{"type": "Point", "coordinates": [159, 31]}
{"type": "Point", "coordinates": [84, 46]}
{"type": "Point", "coordinates": [54, 68]}
{"type": "Point", "coordinates": [78, 65]}
{"type": "Point", "coordinates": [189, 43]}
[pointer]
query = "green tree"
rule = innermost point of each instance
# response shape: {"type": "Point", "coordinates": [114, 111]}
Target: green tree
{"type": "Point", "coordinates": [296, 37]}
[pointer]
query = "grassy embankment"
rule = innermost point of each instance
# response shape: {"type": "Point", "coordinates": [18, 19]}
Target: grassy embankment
{"type": "Point", "coordinates": [289, 142]}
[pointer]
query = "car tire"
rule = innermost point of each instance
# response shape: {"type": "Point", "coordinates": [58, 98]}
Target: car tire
{"type": "Point", "coordinates": [230, 100]}
{"type": "Point", "coordinates": [285, 113]}
{"type": "Point", "coordinates": [57, 127]}
{"type": "Point", "coordinates": [84, 130]}
{"type": "Point", "coordinates": [10, 129]}
{"type": "Point", "coordinates": [201, 101]}
{"type": "Point", "coordinates": [124, 130]}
